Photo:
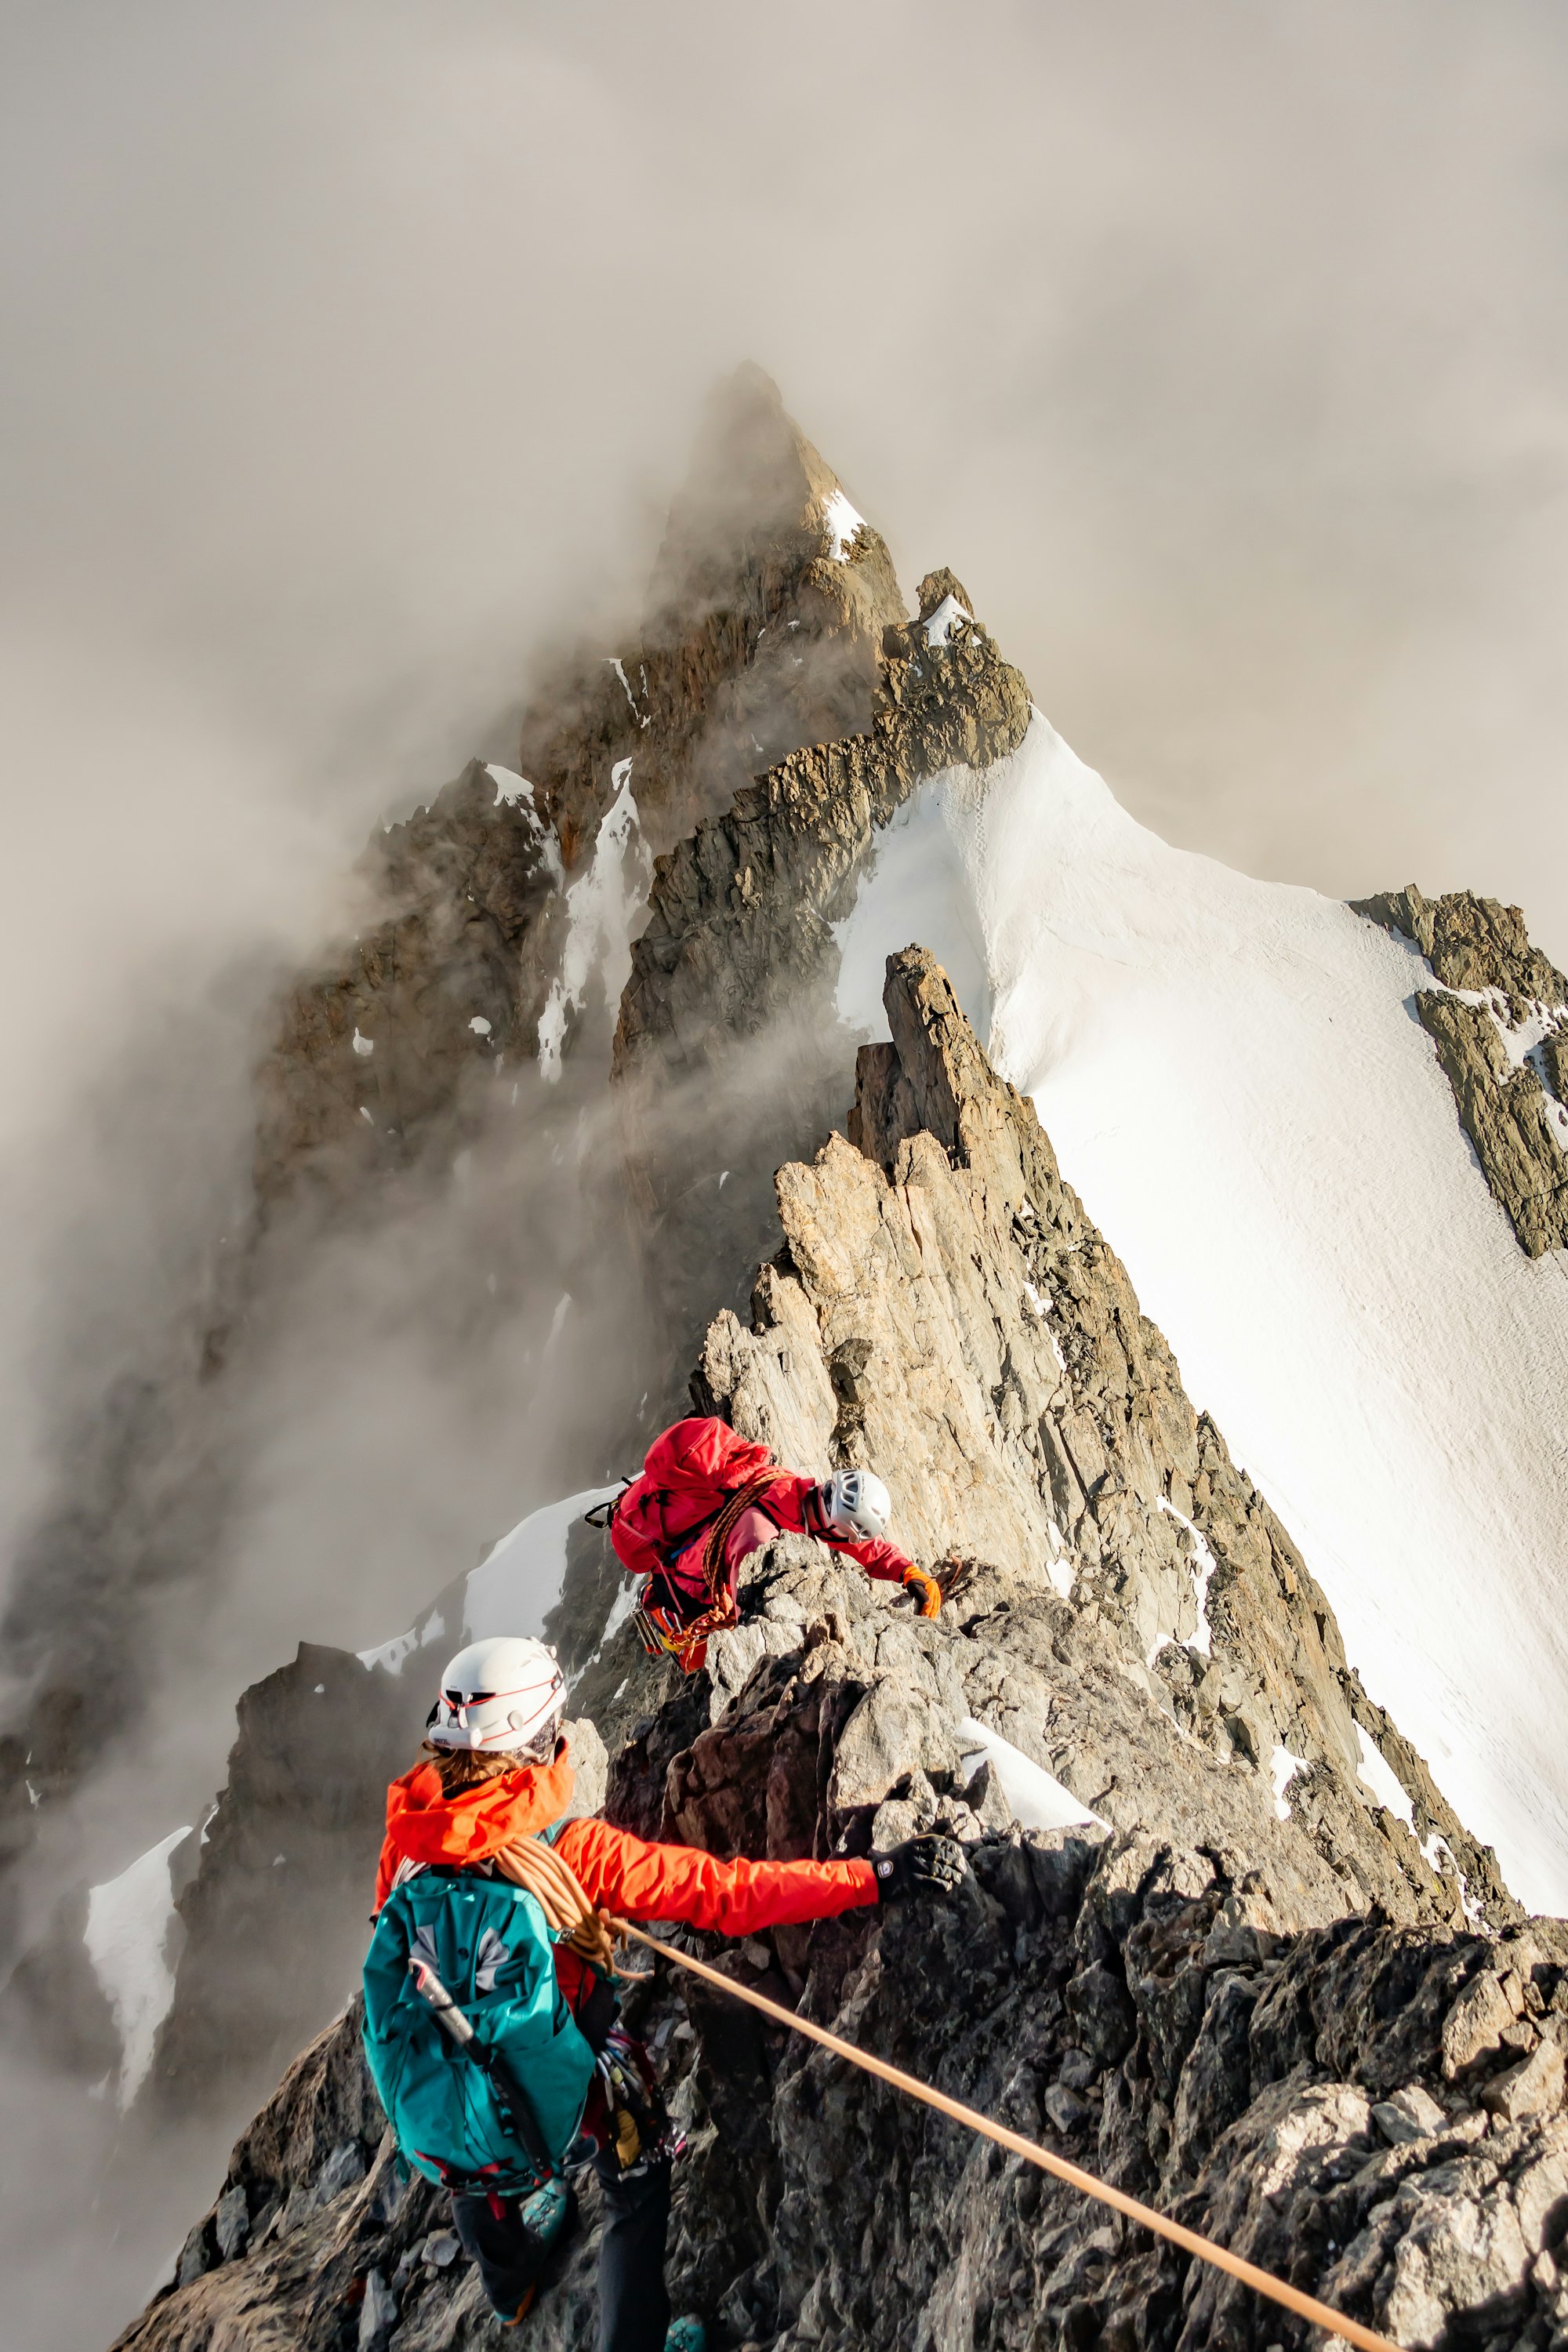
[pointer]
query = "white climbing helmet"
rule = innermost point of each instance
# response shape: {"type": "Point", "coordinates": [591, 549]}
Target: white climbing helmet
{"type": "Point", "coordinates": [855, 1503]}
{"type": "Point", "coordinates": [501, 1693]}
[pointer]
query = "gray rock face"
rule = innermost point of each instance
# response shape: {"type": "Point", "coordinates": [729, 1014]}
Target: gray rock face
{"type": "Point", "coordinates": [269, 1935]}
{"type": "Point", "coordinates": [740, 914]}
{"type": "Point", "coordinates": [1327, 2095]}
{"type": "Point", "coordinates": [944, 1310]}
{"type": "Point", "coordinates": [1510, 1110]}
{"type": "Point", "coordinates": [1279, 2025]}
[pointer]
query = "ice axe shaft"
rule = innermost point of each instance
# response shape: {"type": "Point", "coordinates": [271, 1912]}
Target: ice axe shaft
{"type": "Point", "coordinates": [431, 1990]}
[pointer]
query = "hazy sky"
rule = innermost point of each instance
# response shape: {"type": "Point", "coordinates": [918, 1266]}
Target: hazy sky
{"type": "Point", "coordinates": [353, 350]}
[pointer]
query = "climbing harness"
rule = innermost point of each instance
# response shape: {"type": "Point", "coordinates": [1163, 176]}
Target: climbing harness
{"type": "Point", "coordinates": [1305, 2306]}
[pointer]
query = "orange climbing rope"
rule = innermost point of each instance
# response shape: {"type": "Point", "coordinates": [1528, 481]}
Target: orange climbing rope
{"type": "Point", "coordinates": [1305, 2306]}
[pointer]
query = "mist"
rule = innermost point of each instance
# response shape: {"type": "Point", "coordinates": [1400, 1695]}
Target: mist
{"type": "Point", "coordinates": [352, 357]}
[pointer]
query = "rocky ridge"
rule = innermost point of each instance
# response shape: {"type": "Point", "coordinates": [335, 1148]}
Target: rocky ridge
{"type": "Point", "coordinates": [741, 913]}
{"type": "Point", "coordinates": [1498, 1019]}
{"type": "Point", "coordinates": [1274, 2019]}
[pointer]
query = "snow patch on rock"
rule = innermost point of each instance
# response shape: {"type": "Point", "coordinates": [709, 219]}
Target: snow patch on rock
{"type": "Point", "coordinates": [1385, 1782]}
{"type": "Point", "coordinates": [1282, 1770]}
{"type": "Point", "coordinates": [940, 624]}
{"type": "Point", "coordinates": [128, 1922]}
{"type": "Point", "coordinates": [1037, 1801]}
{"type": "Point", "coordinates": [514, 1589]}
{"type": "Point", "coordinates": [1203, 1565]}
{"type": "Point", "coordinates": [513, 790]}
{"type": "Point", "coordinates": [600, 908]}
{"type": "Point", "coordinates": [842, 525]}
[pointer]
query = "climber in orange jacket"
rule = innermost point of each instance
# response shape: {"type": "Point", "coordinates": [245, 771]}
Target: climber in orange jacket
{"type": "Point", "coordinates": [494, 1775]}
{"type": "Point", "coordinates": [706, 1497]}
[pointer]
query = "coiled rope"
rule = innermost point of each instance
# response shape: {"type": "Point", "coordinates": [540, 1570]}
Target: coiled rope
{"type": "Point", "coordinates": [1305, 2306]}
{"type": "Point", "coordinates": [534, 1865]}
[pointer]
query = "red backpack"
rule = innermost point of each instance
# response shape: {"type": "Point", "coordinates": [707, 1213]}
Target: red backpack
{"type": "Point", "coordinates": [688, 1473]}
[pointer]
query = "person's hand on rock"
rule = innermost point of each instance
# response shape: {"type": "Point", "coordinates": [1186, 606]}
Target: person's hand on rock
{"type": "Point", "coordinates": [926, 1590]}
{"type": "Point", "coordinates": [922, 1866]}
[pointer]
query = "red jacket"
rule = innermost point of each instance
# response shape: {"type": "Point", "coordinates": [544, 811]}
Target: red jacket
{"type": "Point", "coordinates": [619, 1872]}
{"type": "Point", "coordinates": [690, 1469]}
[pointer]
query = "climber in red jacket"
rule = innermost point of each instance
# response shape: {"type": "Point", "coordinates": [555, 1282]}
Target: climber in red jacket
{"type": "Point", "coordinates": [493, 1775]}
{"type": "Point", "coordinates": [706, 1497]}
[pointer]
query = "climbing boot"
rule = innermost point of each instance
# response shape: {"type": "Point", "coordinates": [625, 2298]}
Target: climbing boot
{"type": "Point", "coordinates": [544, 2216]}
{"type": "Point", "coordinates": [685, 2336]}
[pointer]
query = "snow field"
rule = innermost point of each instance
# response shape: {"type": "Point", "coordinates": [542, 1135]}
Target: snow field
{"type": "Point", "coordinates": [1233, 1079]}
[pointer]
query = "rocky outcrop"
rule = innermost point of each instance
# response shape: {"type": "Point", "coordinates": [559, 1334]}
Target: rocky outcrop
{"type": "Point", "coordinates": [1471, 943]}
{"type": "Point", "coordinates": [1521, 1137]}
{"type": "Point", "coordinates": [1270, 2014]}
{"type": "Point", "coordinates": [268, 1935]}
{"type": "Point", "coordinates": [1498, 1019]}
{"type": "Point", "coordinates": [741, 915]}
{"type": "Point", "coordinates": [944, 1309]}
{"type": "Point", "coordinates": [1369, 2109]}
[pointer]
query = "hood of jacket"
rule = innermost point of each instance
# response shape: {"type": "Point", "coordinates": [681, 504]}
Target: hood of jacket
{"type": "Point", "coordinates": [423, 1824]}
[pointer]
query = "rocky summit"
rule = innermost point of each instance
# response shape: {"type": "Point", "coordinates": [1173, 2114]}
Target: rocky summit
{"type": "Point", "coordinates": [1247, 1995]}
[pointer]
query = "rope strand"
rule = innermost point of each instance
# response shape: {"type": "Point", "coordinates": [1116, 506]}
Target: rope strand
{"type": "Point", "coordinates": [531, 1864]}
{"type": "Point", "coordinates": [1305, 2306]}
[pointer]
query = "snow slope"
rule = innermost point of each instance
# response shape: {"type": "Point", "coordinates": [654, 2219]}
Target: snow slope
{"type": "Point", "coordinates": [1233, 1079]}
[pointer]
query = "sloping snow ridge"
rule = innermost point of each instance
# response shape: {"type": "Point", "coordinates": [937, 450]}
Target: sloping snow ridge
{"type": "Point", "coordinates": [1235, 1081]}
{"type": "Point", "coordinates": [127, 1929]}
{"type": "Point", "coordinates": [514, 1589]}
{"type": "Point", "coordinates": [515, 1586]}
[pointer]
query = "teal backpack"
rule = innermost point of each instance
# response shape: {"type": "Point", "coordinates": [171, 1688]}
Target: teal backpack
{"type": "Point", "coordinates": [498, 2108]}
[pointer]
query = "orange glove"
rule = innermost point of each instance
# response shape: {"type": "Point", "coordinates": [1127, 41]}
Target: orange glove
{"type": "Point", "coordinates": [929, 1590]}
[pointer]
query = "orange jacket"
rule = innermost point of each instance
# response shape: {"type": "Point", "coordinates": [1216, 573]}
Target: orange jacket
{"type": "Point", "coordinates": [618, 1872]}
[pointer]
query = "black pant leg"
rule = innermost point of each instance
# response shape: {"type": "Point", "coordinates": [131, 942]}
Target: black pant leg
{"type": "Point", "coordinates": [504, 2253]}
{"type": "Point", "coordinates": [634, 2308]}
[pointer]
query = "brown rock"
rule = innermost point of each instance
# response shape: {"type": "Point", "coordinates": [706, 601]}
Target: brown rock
{"type": "Point", "coordinates": [1534, 2087]}
{"type": "Point", "coordinates": [1476, 2023]}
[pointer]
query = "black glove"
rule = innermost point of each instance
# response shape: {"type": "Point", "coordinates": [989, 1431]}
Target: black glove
{"type": "Point", "coordinates": [922, 1866]}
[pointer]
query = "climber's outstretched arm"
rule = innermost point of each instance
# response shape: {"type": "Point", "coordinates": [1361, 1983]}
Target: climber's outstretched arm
{"type": "Point", "coordinates": [624, 1874]}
